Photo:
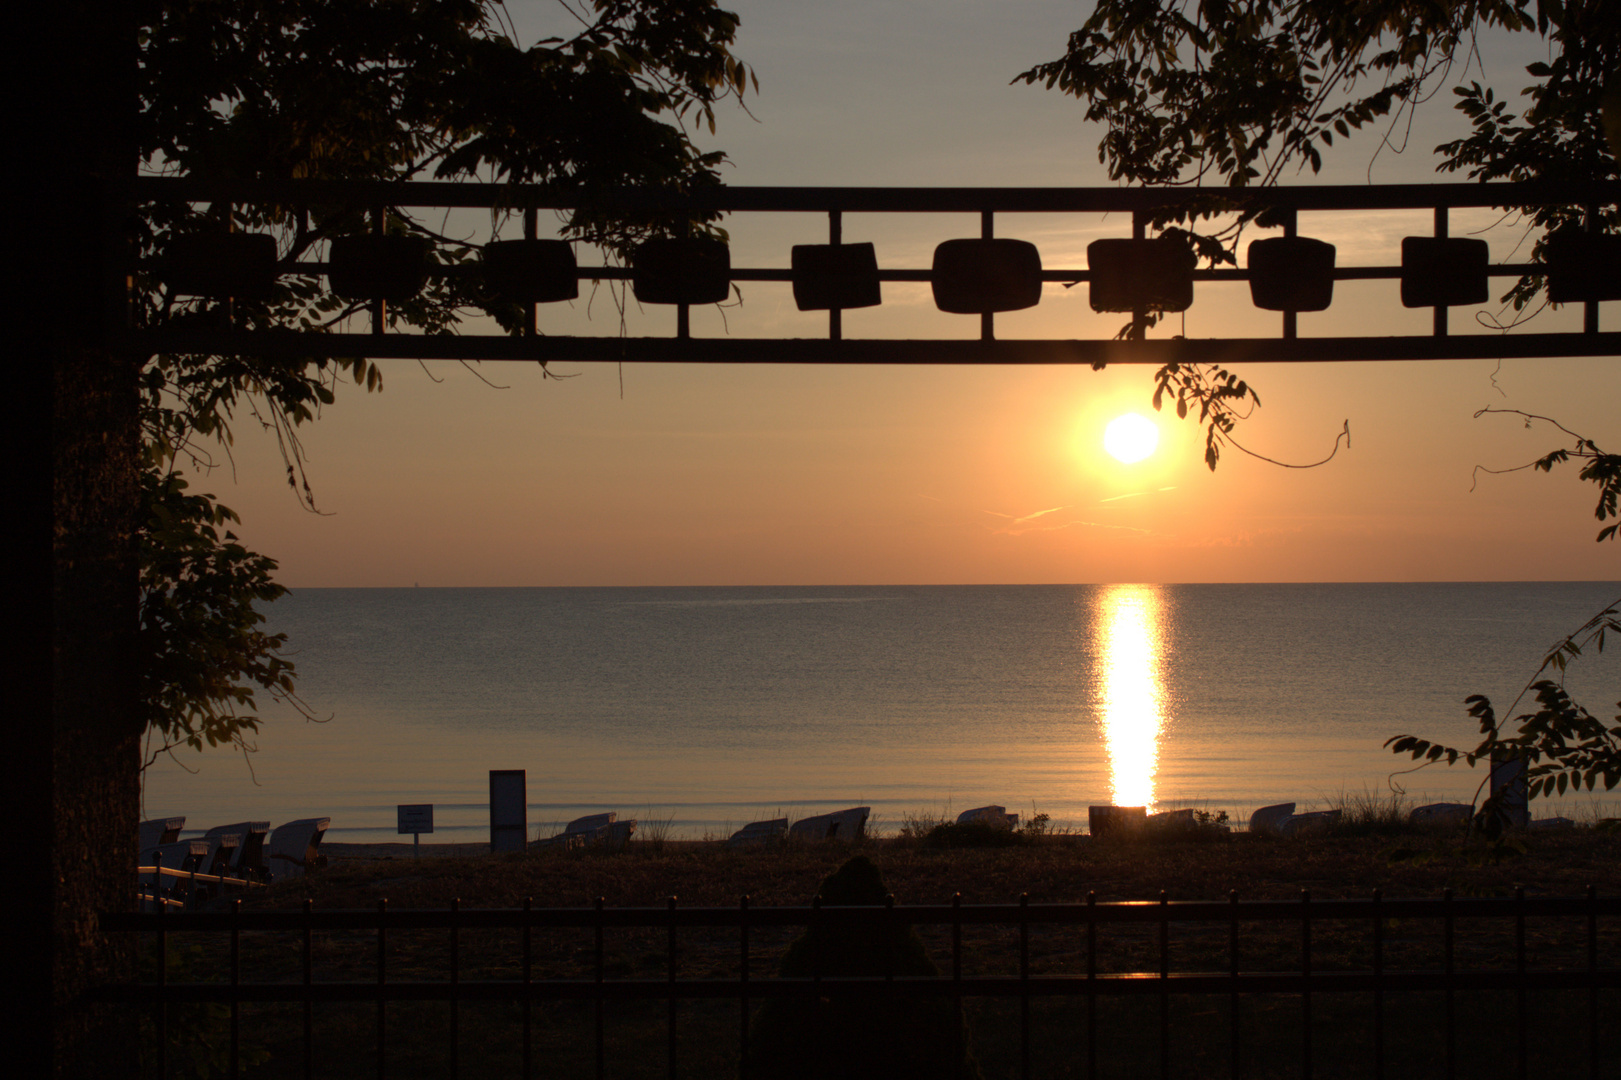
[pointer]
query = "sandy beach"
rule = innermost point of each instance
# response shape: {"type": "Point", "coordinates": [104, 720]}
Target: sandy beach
{"type": "Point", "coordinates": [340, 852]}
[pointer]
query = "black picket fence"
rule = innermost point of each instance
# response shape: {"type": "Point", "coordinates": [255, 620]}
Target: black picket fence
{"type": "Point", "coordinates": [1479, 978]}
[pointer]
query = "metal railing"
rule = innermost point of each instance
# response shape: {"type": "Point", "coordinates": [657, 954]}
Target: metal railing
{"type": "Point", "coordinates": [1590, 965]}
{"type": "Point", "coordinates": [174, 888]}
{"type": "Point", "coordinates": [983, 348]}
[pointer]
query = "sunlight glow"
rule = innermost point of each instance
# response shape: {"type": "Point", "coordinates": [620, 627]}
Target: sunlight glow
{"type": "Point", "coordinates": [1130, 438]}
{"type": "Point", "coordinates": [1133, 692]}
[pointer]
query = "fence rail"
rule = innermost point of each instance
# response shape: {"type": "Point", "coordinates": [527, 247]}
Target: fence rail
{"type": "Point", "coordinates": [1306, 980]}
{"type": "Point", "coordinates": [384, 341]}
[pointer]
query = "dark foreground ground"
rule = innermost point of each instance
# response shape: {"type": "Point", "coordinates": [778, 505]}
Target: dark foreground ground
{"type": "Point", "coordinates": [1059, 869]}
{"type": "Point", "coordinates": [1186, 1035]}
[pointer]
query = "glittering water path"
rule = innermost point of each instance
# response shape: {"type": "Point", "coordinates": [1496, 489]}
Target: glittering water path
{"type": "Point", "coordinates": [712, 707]}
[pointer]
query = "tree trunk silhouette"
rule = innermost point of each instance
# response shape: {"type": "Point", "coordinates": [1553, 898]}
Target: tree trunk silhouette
{"type": "Point", "coordinates": [74, 769]}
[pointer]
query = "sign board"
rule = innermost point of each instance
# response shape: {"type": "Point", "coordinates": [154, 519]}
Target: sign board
{"type": "Point", "coordinates": [509, 810]}
{"type": "Point", "coordinates": [416, 818]}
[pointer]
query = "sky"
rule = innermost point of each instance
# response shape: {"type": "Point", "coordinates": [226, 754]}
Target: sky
{"type": "Point", "coordinates": [764, 474]}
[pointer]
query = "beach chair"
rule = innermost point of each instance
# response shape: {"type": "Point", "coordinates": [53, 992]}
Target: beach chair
{"type": "Point", "coordinates": [995, 816]}
{"type": "Point", "coordinates": [1314, 822]}
{"type": "Point", "coordinates": [1442, 815]}
{"type": "Point", "coordinates": [1173, 821]}
{"type": "Point", "coordinates": [247, 859]}
{"type": "Point", "coordinates": [159, 831]}
{"type": "Point", "coordinates": [594, 830]}
{"type": "Point", "coordinates": [182, 857]}
{"type": "Point", "coordinates": [1270, 820]}
{"type": "Point", "coordinates": [759, 833]}
{"type": "Point", "coordinates": [844, 825]}
{"type": "Point", "coordinates": [1109, 820]}
{"type": "Point", "coordinates": [293, 850]}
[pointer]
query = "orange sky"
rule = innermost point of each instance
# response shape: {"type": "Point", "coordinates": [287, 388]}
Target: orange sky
{"type": "Point", "coordinates": [762, 474]}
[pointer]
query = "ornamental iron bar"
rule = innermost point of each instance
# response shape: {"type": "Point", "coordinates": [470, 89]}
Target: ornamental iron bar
{"type": "Point", "coordinates": [1282, 204]}
{"type": "Point", "coordinates": [1589, 966]}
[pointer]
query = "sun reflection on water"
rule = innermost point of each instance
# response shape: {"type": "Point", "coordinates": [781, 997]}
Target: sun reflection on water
{"type": "Point", "coordinates": [1133, 694]}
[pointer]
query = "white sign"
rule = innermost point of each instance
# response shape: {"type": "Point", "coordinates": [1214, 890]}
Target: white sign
{"type": "Point", "coordinates": [416, 818]}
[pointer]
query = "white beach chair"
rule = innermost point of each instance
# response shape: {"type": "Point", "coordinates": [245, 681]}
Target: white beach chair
{"type": "Point", "coordinates": [1441, 815]}
{"type": "Point", "coordinates": [594, 830]}
{"type": "Point", "coordinates": [994, 816]}
{"type": "Point", "coordinates": [1173, 821]}
{"type": "Point", "coordinates": [159, 831]}
{"type": "Point", "coordinates": [843, 825]}
{"type": "Point", "coordinates": [1306, 824]}
{"type": "Point", "coordinates": [759, 833]}
{"type": "Point", "coordinates": [247, 858]}
{"type": "Point", "coordinates": [1270, 820]}
{"type": "Point", "coordinates": [293, 850]}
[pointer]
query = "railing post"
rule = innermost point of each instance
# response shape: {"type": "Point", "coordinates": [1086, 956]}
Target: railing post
{"type": "Point", "coordinates": [601, 1060]}
{"type": "Point", "coordinates": [382, 972]}
{"type": "Point", "coordinates": [1305, 988]}
{"type": "Point", "coordinates": [743, 995]}
{"type": "Point", "coordinates": [309, 1006]}
{"type": "Point", "coordinates": [956, 983]}
{"type": "Point", "coordinates": [1592, 981]}
{"type": "Point", "coordinates": [1164, 985]}
{"type": "Point", "coordinates": [528, 980]}
{"type": "Point", "coordinates": [1378, 985]}
{"type": "Point", "coordinates": [1232, 970]}
{"type": "Point", "coordinates": [1024, 986]}
{"type": "Point", "coordinates": [816, 974]}
{"type": "Point", "coordinates": [455, 986]}
{"type": "Point", "coordinates": [1519, 980]}
{"type": "Point", "coordinates": [1091, 985]}
{"type": "Point", "coordinates": [234, 1067]}
{"type": "Point", "coordinates": [163, 975]}
{"type": "Point", "coordinates": [1452, 1018]}
{"type": "Point", "coordinates": [889, 928]}
{"type": "Point", "coordinates": [670, 906]}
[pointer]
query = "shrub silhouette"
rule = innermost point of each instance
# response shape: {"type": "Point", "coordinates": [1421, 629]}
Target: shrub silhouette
{"type": "Point", "coordinates": [972, 834]}
{"type": "Point", "coordinates": [891, 1036]}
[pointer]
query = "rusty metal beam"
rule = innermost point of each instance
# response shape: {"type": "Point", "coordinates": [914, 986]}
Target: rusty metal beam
{"type": "Point", "coordinates": [291, 345]}
{"type": "Point", "coordinates": [926, 200]}
{"type": "Point", "coordinates": [1139, 203]}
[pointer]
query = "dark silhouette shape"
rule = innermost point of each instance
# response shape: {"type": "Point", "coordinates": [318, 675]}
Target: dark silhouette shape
{"type": "Point", "coordinates": [1291, 273]}
{"type": "Point", "coordinates": [1440, 271]}
{"type": "Point", "coordinates": [531, 271]}
{"type": "Point", "coordinates": [391, 268]}
{"type": "Point", "coordinates": [1128, 275]}
{"type": "Point", "coordinates": [981, 276]}
{"type": "Point", "coordinates": [1584, 267]}
{"type": "Point", "coordinates": [828, 276]}
{"type": "Point", "coordinates": [681, 270]}
{"type": "Point", "coordinates": [857, 1037]}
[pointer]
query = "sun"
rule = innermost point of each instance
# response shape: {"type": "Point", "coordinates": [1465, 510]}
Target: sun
{"type": "Point", "coordinates": [1130, 438]}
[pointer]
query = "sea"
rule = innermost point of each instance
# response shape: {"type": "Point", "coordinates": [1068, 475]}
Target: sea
{"type": "Point", "coordinates": [698, 710]}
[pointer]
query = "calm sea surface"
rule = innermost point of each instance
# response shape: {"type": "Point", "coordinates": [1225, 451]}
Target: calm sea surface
{"type": "Point", "coordinates": [712, 707]}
